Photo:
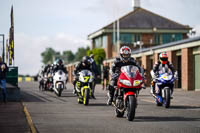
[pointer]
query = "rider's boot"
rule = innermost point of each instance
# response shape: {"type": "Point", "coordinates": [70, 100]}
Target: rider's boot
{"type": "Point", "coordinates": [153, 87]}
{"type": "Point", "coordinates": [110, 94]}
{"type": "Point", "coordinates": [74, 91]}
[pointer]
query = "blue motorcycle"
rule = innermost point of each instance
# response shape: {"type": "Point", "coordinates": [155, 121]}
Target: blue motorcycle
{"type": "Point", "coordinates": [165, 84]}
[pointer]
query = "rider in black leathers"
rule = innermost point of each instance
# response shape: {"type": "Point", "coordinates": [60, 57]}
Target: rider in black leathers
{"type": "Point", "coordinates": [95, 73]}
{"type": "Point", "coordinates": [84, 64]}
{"type": "Point", "coordinates": [124, 60]}
{"type": "Point", "coordinates": [162, 63]}
{"type": "Point", "coordinates": [60, 66]}
{"type": "Point", "coordinates": [46, 70]}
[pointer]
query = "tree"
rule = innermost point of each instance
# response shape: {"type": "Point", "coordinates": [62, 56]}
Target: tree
{"type": "Point", "coordinates": [80, 53]}
{"type": "Point", "coordinates": [48, 54]}
{"type": "Point", "coordinates": [69, 55]}
{"type": "Point", "coordinates": [99, 55]}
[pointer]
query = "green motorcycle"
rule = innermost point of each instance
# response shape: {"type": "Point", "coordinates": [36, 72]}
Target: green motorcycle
{"type": "Point", "coordinates": [83, 86]}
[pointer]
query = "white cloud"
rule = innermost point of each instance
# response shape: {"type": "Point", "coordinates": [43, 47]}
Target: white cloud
{"type": "Point", "coordinates": [77, 18]}
{"type": "Point", "coordinates": [28, 49]}
{"type": "Point", "coordinates": [197, 28]}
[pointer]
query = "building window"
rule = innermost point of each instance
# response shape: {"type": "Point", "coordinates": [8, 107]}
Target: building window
{"type": "Point", "coordinates": [98, 42]}
{"type": "Point", "coordinates": [167, 38]}
{"type": "Point", "coordinates": [105, 41]}
{"type": "Point", "coordinates": [178, 36]}
{"type": "Point", "coordinates": [114, 41]}
{"type": "Point", "coordinates": [136, 37]}
{"type": "Point", "coordinates": [157, 39]}
{"type": "Point", "coordinates": [126, 38]}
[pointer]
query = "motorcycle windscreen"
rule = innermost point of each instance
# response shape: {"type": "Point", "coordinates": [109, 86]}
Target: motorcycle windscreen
{"type": "Point", "coordinates": [165, 70]}
{"type": "Point", "coordinates": [86, 73]}
{"type": "Point", "coordinates": [130, 70]}
{"type": "Point", "coordinates": [166, 73]}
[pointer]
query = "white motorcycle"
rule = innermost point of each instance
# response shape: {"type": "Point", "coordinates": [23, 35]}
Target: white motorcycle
{"type": "Point", "coordinates": [59, 82]}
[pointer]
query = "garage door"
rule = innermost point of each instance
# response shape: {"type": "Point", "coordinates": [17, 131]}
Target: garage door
{"type": "Point", "coordinates": [197, 72]}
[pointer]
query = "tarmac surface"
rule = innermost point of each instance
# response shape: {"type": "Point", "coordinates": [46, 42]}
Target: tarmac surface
{"type": "Point", "coordinates": [52, 114]}
{"type": "Point", "coordinates": [12, 118]}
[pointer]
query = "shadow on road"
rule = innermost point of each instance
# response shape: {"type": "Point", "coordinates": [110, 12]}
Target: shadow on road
{"type": "Point", "coordinates": [97, 104]}
{"type": "Point", "coordinates": [184, 107]}
{"type": "Point", "coordinates": [68, 95]}
{"type": "Point", "coordinates": [159, 119]}
{"type": "Point", "coordinates": [27, 97]}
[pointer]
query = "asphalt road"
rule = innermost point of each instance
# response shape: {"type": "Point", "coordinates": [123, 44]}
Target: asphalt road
{"type": "Point", "coordinates": [52, 114]}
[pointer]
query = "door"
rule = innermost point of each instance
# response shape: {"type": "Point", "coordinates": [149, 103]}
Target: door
{"type": "Point", "coordinates": [197, 71]}
{"type": "Point", "coordinates": [179, 72]}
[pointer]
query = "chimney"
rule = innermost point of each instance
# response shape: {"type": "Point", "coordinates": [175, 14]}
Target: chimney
{"type": "Point", "coordinates": [135, 4]}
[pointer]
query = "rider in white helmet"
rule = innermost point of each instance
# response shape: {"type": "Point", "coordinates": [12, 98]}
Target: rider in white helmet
{"type": "Point", "coordinates": [124, 60]}
{"type": "Point", "coordinates": [163, 62]}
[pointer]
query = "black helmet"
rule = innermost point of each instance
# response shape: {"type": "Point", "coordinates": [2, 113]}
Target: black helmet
{"type": "Point", "coordinates": [85, 60]}
{"type": "Point", "coordinates": [92, 56]}
{"type": "Point", "coordinates": [59, 62]}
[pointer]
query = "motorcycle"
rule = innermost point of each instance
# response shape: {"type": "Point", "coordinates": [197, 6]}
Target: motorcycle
{"type": "Point", "coordinates": [83, 86]}
{"type": "Point", "coordinates": [45, 82]}
{"type": "Point", "coordinates": [128, 86]}
{"type": "Point", "coordinates": [59, 82]}
{"type": "Point", "coordinates": [164, 87]}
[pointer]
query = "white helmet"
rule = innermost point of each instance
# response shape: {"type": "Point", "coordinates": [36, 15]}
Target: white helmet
{"type": "Point", "coordinates": [125, 53]}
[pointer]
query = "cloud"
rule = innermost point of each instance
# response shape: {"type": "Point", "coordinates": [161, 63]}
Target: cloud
{"type": "Point", "coordinates": [40, 24]}
{"type": "Point", "coordinates": [197, 28]}
{"type": "Point", "coordinates": [28, 49]}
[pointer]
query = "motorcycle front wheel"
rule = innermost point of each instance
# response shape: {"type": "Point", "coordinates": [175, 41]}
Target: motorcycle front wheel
{"type": "Point", "coordinates": [131, 106]}
{"type": "Point", "coordinates": [86, 97]}
{"type": "Point", "coordinates": [167, 97]}
{"type": "Point", "coordinates": [59, 92]}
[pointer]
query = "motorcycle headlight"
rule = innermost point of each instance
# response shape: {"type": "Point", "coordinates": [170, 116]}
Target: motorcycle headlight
{"type": "Point", "coordinates": [137, 82]}
{"type": "Point", "coordinates": [91, 79]}
{"type": "Point", "coordinates": [81, 79]}
{"type": "Point", "coordinates": [125, 82]}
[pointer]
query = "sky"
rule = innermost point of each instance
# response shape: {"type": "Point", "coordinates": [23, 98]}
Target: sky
{"type": "Point", "coordinates": [65, 24]}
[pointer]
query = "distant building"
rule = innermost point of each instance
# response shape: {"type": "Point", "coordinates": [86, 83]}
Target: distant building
{"type": "Point", "coordinates": [139, 25]}
{"type": "Point", "coordinates": [158, 34]}
{"type": "Point", "coordinates": [183, 54]}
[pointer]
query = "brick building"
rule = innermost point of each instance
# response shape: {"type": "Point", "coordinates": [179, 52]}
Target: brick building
{"type": "Point", "coordinates": [139, 25]}
{"type": "Point", "coordinates": [158, 34]}
{"type": "Point", "coordinates": [185, 56]}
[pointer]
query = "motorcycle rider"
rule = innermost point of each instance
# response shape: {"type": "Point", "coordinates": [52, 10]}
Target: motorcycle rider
{"type": "Point", "coordinates": [60, 66]}
{"type": "Point", "coordinates": [46, 69]}
{"type": "Point", "coordinates": [84, 64]}
{"type": "Point", "coordinates": [124, 60]}
{"type": "Point", "coordinates": [105, 76]}
{"type": "Point", "coordinates": [95, 72]}
{"type": "Point", "coordinates": [163, 62]}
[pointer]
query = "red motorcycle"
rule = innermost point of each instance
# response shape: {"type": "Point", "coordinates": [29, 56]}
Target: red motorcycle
{"type": "Point", "coordinates": [128, 86]}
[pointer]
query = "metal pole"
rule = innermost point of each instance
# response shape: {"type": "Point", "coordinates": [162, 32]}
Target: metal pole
{"type": "Point", "coordinates": [114, 33]}
{"type": "Point", "coordinates": [3, 50]}
{"type": "Point", "coordinates": [118, 36]}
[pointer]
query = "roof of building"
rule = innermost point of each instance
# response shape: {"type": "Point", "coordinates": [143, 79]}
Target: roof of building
{"type": "Point", "coordinates": [167, 45]}
{"type": "Point", "coordinates": [141, 18]}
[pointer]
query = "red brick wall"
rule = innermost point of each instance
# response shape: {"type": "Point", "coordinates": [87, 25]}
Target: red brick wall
{"type": "Point", "coordinates": [146, 64]}
{"type": "Point", "coordinates": [187, 69]}
{"type": "Point", "coordinates": [156, 55]}
{"type": "Point", "coordinates": [185, 36]}
{"type": "Point", "coordinates": [174, 60]}
{"type": "Point", "coordinates": [146, 39]}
